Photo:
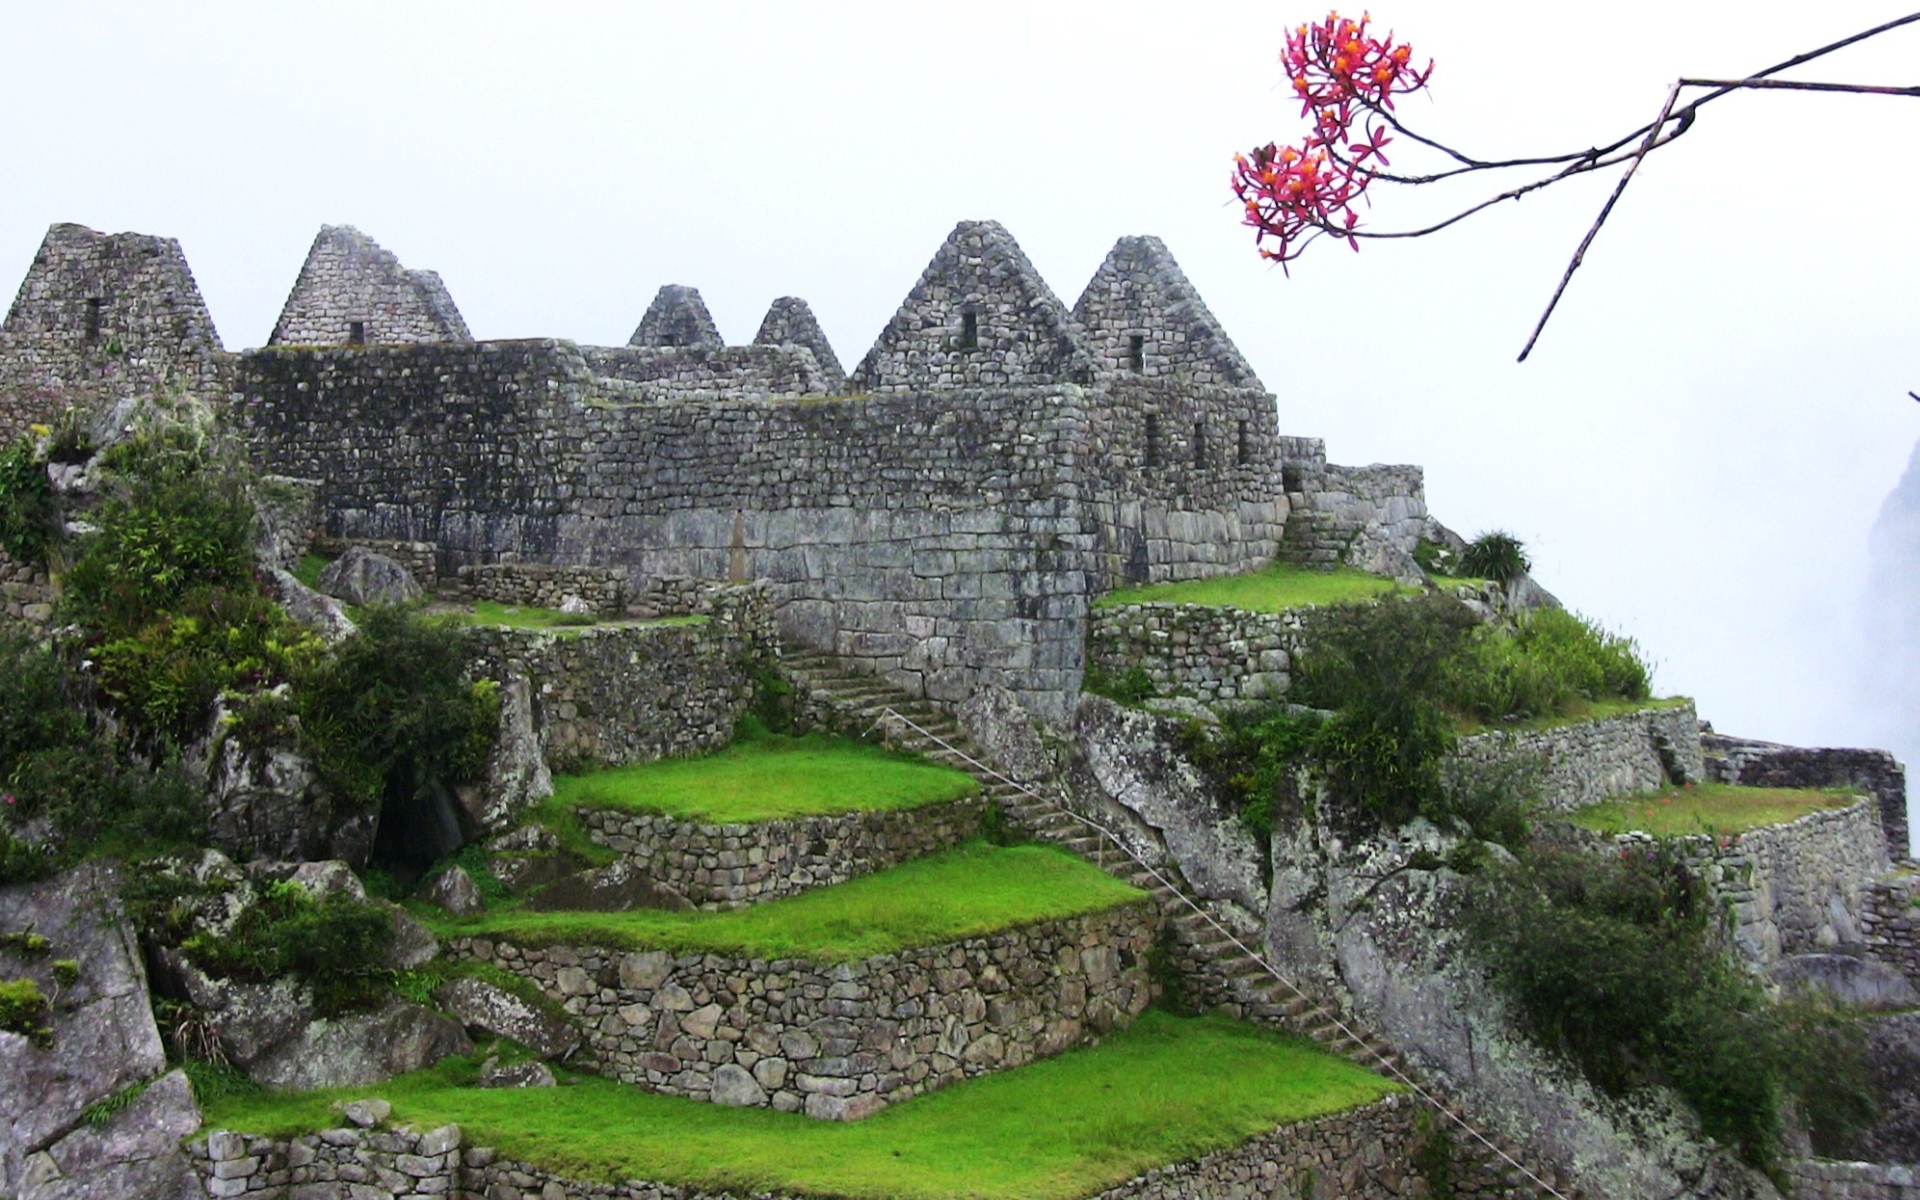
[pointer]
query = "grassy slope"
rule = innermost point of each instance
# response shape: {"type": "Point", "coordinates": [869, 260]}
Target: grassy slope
{"type": "Point", "coordinates": [769, 778]}
{"type": "Point", "coordinates": [1165, 1090]}
{"type": "Point", "coordinates": [1585, 710]}
{"type": "Point", "coordinates": [971, 890]}
{"type": "Point", "coordinates": [1707, 808]}
{"type": "Point", "coordinates": [1274, 589]}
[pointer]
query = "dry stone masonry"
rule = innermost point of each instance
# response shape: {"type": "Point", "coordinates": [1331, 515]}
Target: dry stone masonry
{"type": "Point", "coordinates": [731, 866]}
{"type": "Point", "coordinates": [1586, 762]}
{"type": "Point", "coordinates": [1366, 517]}
{"type": "Point", "coordinates": [1890, 922]}
{"type": "Point", "coordinates": [1769, 764]}
{"type": "Point", "coordinates": [1203, 652]}
{"type": "Point", "coordinates": [790, 322]}
{"type": "Point", "coordinates": [352, 292]}
{"type": "Point", "coordinates": [840, 1042]}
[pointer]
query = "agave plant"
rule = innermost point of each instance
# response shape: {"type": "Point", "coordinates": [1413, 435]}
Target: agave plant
{"type": "Point", "coordinates": [1496, 555]}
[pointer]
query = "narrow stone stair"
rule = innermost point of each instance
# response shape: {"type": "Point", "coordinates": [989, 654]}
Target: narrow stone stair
{"type": "Point", "coordinates": [1234, 980]}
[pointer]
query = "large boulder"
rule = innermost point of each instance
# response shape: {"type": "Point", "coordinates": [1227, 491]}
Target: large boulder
{"type": "Point", "coordinates": [320, 612]}
{"type": "Point", "coordinates": [268, 802]}
{"type": "Point", "coordinates": [104, 1043]}
{"type": "Point", "coordinates": [360, 1048]}
{"type": "Point", "coordinates": [480, 1005]}
{"type": "Point", "coordinates": [362, 577]}
{"type": "Point", "coordinates": [517, 777]}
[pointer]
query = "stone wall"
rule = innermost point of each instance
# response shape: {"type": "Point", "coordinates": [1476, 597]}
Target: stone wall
{"type": "Point", "coordinates": [1201, 651]}
{"type": "Point", "coordinates": [606, 695]}
{"type": "Point", "coordinates": [840, 1042]}
{"type": "Point", "coordinates": [1361, 1154]}
{"type": "Point", "coordinates": [543, 585]}
{"type": "Point", "coordinates": [1822, 1179]}
{"type": "Point", "coordinates": [1591, 761]}
{"type": "Point", "coordinates": [1365, 517]}
{"type": "Point", "coordinates": [712, 373]}
{"type": "Point", "coordinates": [421, 559]}
{"type": "Point", "coordinates": [26, 593]}
{"type": "Point", "coordinates": [1769, 764]}
{"type": "Point", "coordinates": [731, 866]}
{"type": "Point", "coordinates": [1890, 922]}
{"type": "Point", "coordinates": [349, 281]}
{"type": "Point", "coordinates": [1185, 482]}
{"type": "Point", "coordinates": [931, 543]}
{"type": "Point", "coordinates": [99, 319]}
{"type": "Point", "coordinates": [1796, 888]}
{"type": "Point", "coordinates": [1140, 317]}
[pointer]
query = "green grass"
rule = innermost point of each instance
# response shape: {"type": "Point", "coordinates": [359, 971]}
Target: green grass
{"type": "Point", "coordinates": [768, 778]}
{"type": "Point", "coordinates": [1585, 710]}
{"type": "Point", "coordinates": [1270, 590]}
{"type": "Point", "coordinates": [526, 616]}
{"type": "Point", "coordinates": [965, 892]}
{"type": "Point", "coordinates": [308, 572]}
{"type": "Point", "coordinates": [1713, 808]}
{"type": "Point", "coordinates": [1167, 1089]}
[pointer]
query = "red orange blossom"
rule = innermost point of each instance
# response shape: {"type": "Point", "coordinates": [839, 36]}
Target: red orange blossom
{"type": "Point", "coordinates": [1346, 80]}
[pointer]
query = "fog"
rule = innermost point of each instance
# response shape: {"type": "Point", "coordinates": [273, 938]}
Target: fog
{"type": "Point", "coordinates": [1696, 453]}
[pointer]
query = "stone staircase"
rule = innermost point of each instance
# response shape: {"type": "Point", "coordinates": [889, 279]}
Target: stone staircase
{"type": "Point", "coordinates": [1230, 976]}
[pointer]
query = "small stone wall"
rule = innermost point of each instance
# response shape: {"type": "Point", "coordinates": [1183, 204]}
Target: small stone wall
{"type": "Point", "coordinates": [1367, 517]}
{"type": "Point", "coordinates": [26, 594]}
{"type": "Point", "coordinates": [541, 585]}
{"type": "Point", "coordinates": [1890, 922]}
{"type": "Point", "coordinates": [840, 1042]}
{"type": "Point", "coordinates": [1825, 1179]}
{"type": "Point", "coordinates": [1195, 650]}
{"type": "Point", "coordinates": [609, 695]}
{"type": "Point", "coordinates": [1796, 888]}
{"type": "Point", "coordinates": [1769, 764]}
{"type": "Point", "coordinates": [1361, 1154]}
{"type": "Point", "coordinates": [732, 866]}
{"type": "Point", "coordinates": [337, 1164]}
{"type": "Point", "coordinates": [1591, 761]}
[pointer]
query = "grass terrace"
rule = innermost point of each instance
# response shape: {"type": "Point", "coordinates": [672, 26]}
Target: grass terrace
{"type": "Point", "coordinates": [1164, 1090]}
{"type": "Point", "coordinates": [971, 890]}
{"type": "Point", "coordinates": [1578, 712]}
{"type": "Point", "coordinates": [1270, 590]}
{"type": "Point", "coordinates": [768, 778]}
{"type": "Point", "coordinates": [1712, 808]}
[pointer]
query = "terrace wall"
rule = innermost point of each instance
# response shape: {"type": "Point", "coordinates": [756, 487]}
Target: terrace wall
{"type": "Point", "coordinates": [1796, 888]}
{"type": "Point", "coordinates": [609, 695]}
{"type": "Point", "coordinates": [1822, 1179]}
{"type": "Point", "coordinates": [1591, 761]}
{"type": "Point", "coordinates": [1769, 764]}
{"type": "Point", "coordinates": [840, 1042]}
{"type": "Point", "coordinates": [732, 866]}
{"type": "Point", "coordinates": [1890, 923]}
{"type": "Point", "coordinates": [1362, 1154]}
{"type": "Point", "coordinates": [1208, 653]}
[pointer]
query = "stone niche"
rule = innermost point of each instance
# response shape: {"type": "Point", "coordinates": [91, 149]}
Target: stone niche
{"type": "Point", "coordinates": [732, 866]}
{"type": "Point", "coordinates": [841, 1041]}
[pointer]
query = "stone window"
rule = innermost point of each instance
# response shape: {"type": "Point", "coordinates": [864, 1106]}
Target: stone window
{"type": "Point", "coordinates": [969, 330]}
{"type": "Point", "coordinates": [1153, 440]}
{"type": "Point", "coordinates": [1137, 354]}
{"type": "Point", "coordinates": [1199, 443]}
{"type": "Point", "coordinates": [356, 333]}
{"type": "Point", "coordinates": [92, 331]}
{"type": "Point", "coordinates": [1244, 452]}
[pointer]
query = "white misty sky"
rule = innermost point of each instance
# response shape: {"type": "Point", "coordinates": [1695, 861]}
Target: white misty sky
{"type": "Point", "coordinates": [1695, 453]}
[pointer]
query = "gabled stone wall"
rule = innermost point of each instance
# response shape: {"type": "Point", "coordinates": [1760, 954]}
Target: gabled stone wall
{"type": "Point", "coordinates": [102, 318]}
{"type": "Point", "coordinates": [1141, 318]}
{"type": "Point", "coordinates": [350, 290]}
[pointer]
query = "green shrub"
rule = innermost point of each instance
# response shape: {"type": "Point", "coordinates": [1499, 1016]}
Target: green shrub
{"type": "Point", "coordinates": [1547, 664]}
{"type": "Point", "coordinates": [337, 946]}
{"type": "Point", "coordinates": [28, 514]}
{"type": "Point", "coordinates": [100, 799]}
{"type": "Point", "coordinates": [388, 714]}
{"type": "Point", "coordinates": [1250, 757]}
{"type": "Point", "coordinates": [1612, 961]}
{"type": "Point", "coordinates": [1496, 555]}
{"type": "Point", "coordinates": [1130, 687]}
{"type": "Point", "coordinates": [1382, 668]}
{"type": "Point", "coordinates": [37, 709]}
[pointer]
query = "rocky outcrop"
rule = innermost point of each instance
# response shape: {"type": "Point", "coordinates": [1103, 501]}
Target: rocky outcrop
{"type": "Point", "coordinates": [359, 1048]}
{"type": "Point", "coordinates": [268, 802]}
{"type": "Point", "coordinates": [104, 1045]}
{"type": "Point", "coordinates": [316, 610]}
{"type": "Point", "coordinates": [488, 1009]}
{"type": "Point", "coordinates": [361, 577]}
{"type": "Point", "coordinates": [517, 777]}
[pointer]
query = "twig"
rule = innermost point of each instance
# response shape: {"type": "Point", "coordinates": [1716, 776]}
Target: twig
{"type": "Point", "coordinates": [1653, 135]}
{"type": "Point", "coordinates": [1796, 85]}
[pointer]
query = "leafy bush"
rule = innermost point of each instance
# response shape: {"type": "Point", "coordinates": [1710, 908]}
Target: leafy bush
{"type": "Point", "coordinates": [1547, 664]}
{"type": "Point", "coordinates": [337, 946]}
{"type": "Point", "coordinates": [1249, 758]}
{"type": "Point", "coordinates": [37, 710]}
{"type": "Point", "coordinates": [1613, 963]}
{"type": "Point", "coordinates": [1496, 555]}
{"type": "Point", "coordinates": [27, 509]}
{"type": "Point", "coordinates": [388, 714]}
{"type": "Point", "coordinates": [1130, 687]}
{"type": "Point", "coordinates": [98, 799]}
{"type": "Point", "coordinates": [1383, 668]}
